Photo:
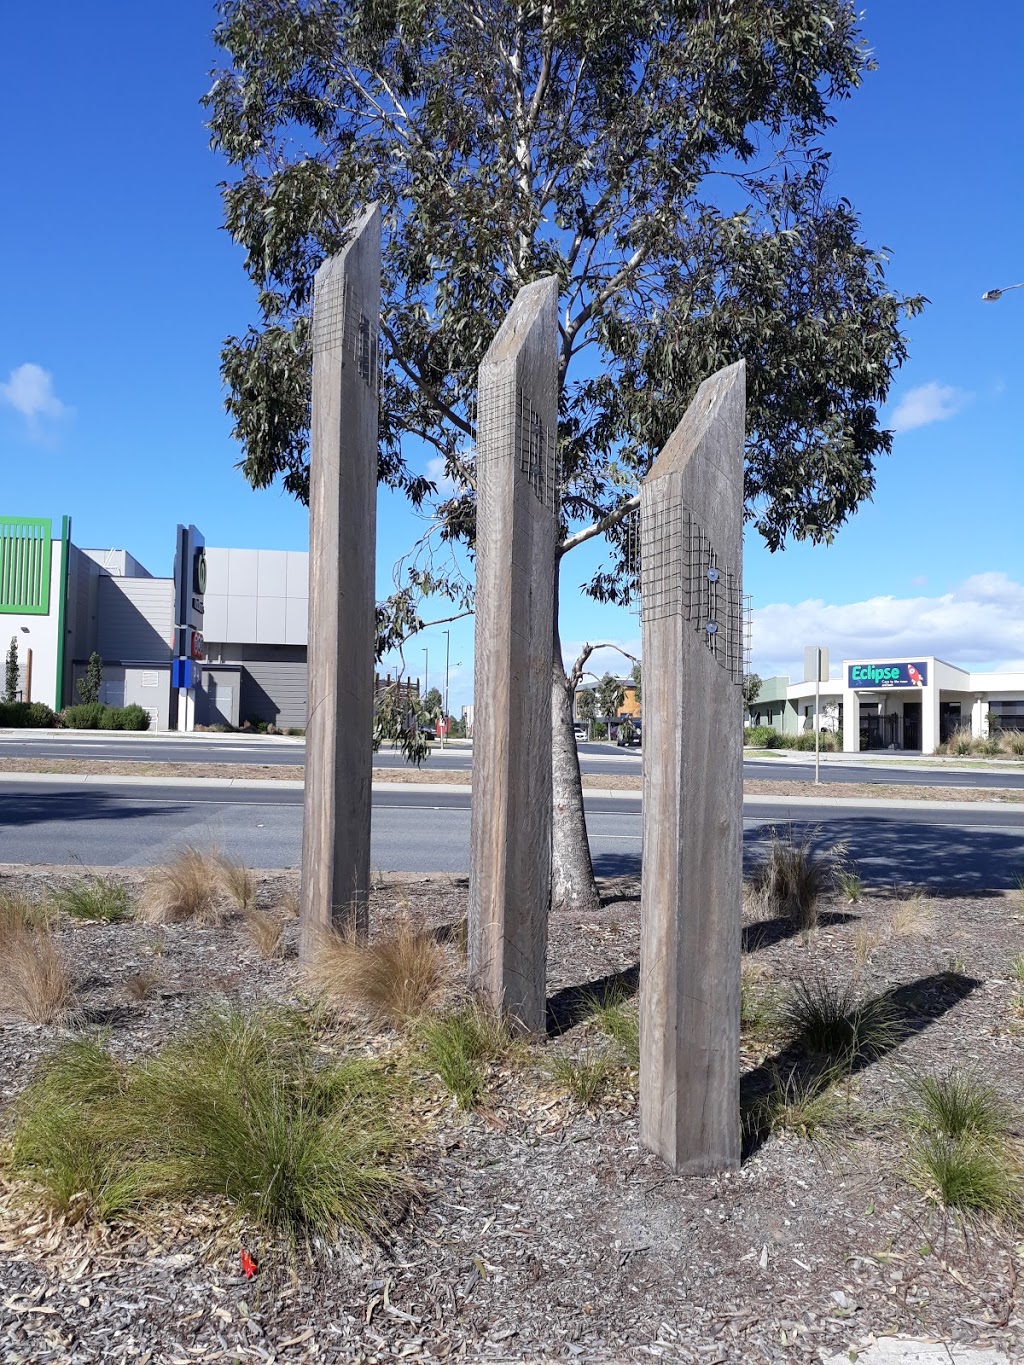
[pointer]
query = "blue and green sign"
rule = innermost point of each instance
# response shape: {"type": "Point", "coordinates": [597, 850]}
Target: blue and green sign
{"type": "Point", "coordinates": [886, 675]}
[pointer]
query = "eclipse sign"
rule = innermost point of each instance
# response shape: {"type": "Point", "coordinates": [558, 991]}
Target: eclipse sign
{"type": "Point", "coordinates": [865, 676]}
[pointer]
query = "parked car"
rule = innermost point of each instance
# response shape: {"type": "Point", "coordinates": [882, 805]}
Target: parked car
{"type": "Point", "coordinates": [580, 731]}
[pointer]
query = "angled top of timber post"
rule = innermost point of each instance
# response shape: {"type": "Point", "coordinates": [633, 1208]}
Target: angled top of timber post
{"type": "Point", "coordinates": [529, 306]}
{"type": "Point", "coordinates": [723, 393]}
{"type": "Point", "coordinates": [339, 287]}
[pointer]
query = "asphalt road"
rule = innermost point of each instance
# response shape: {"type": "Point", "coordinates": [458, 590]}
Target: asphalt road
{"type": "Point", "coordinates": [594, 759]}
{"type": "Point", "coordinates": [425, 831]}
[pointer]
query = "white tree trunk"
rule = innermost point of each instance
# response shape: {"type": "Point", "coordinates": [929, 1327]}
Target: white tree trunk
{"type": "Point", "coordinates": [572, 872]}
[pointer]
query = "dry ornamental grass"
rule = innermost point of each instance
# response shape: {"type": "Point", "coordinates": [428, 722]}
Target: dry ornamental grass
{"type": "Point", "coordinates": [395, 979]}
{"type": "Point", "coordinates": [34, 980]}
{"type": "Point", "coordinates": [186, 887]}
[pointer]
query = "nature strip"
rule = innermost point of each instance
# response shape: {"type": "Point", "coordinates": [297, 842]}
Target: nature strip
{"type": "Point", "coordinates": [281, 772]}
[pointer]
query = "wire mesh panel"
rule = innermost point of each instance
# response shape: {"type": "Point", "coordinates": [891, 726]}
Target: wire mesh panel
{"type": "Point", "coordinates": [536, 444]}
{"type": "Point", "coordinates": [681, 572]}
{"type": "Point", "coordinates": [340, 325]}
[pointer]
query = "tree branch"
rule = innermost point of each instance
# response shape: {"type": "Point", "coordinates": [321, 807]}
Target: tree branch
{"type": "Point", "coordinates": [599, 527]}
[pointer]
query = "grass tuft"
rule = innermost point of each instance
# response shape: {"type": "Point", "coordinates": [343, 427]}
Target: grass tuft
{"type": "Point", "coordinates": [396, 979]}
{"type": "Point", "coordinates": [960, 1105]}
{"type": "Point", "coordinates": [34, 979]}
{"type": "Point", "coordinates": [799, 1102]}
{"type": "Point", "coordinates": [586, 1079]}
{"type": "Point", "coordinates": [141, 985]}
{"type": "Point", "coordinates": [18, 912]}
{"type": "Point", "coordinates": [757, 1002]}
{"type": "Point", "coordinates": [793, 878]}
{"type": "Point", "coordinates": [238, 1108]}
{"type": "Point", "coordinates": [616, 1016]}
{"type": "Point", "coordinates": [1017, 969]}
{"type": "Point", "coordinates": [911, 915]}
{"type": "Point", "coordinates": [968, 1174]}
{"type": "Point", "coordinates": [187, 887]}
{"type": "Point", "coordinates": [848, 884]}
{"type": "Point", "coordinates": [265, 930]}
{"type": "Point", "coordinates": [831, 1022]}
{"type": "Point", "coordinates": [459, 1047]}
{"type": "Point", "coordinates": [237, 880]}
{"type": "Point", "coordinates": [101, 900]}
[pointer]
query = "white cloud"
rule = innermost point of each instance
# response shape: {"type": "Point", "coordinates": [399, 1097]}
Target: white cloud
{"type": "Point", "coordinates": [447, 487]}
{"type": "Point", "coordinates": [29, 391]}
{"type": "Point", "coordinates": [928, 403]}
{"type": "Point", "coordinates": [980, 623]}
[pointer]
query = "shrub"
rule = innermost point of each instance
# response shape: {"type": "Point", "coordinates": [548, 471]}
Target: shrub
{"type": "Point", "coordinates": [459, 1047]}
{"type": "Point", "coordinates": [829, 1021]}
{"type": "Point", "coordinates": [237, 1109]}
{"type": "Point", "coordinates": [792, 878]}
{"type": "Point", "coordinates": [27, 715]}
{"type": "Point", "coordinates": [395, 979]}
{"type": "Point", "coordinates": [102, 899]}
{"type": "Point", "coordinates": [98, 716]}
{"type": "Point", "coordinates": [762, 737]}
{"type": "Point", "coordinates": [187, 887]}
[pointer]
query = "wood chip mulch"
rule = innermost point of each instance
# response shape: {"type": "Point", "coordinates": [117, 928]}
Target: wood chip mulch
{"type": "Point", "coordinates": [546, 1232]}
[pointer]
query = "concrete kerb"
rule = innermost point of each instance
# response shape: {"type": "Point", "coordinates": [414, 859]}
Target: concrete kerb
{"type": "Point", "coordinates": [904, 1351]}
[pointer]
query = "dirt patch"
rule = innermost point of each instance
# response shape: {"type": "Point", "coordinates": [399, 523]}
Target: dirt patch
{"type": "Point", "coordinates": [547, 1232]}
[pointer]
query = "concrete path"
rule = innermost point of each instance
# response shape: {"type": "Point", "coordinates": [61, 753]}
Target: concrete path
{"type": "Point", "coordinates": [904, 1351]}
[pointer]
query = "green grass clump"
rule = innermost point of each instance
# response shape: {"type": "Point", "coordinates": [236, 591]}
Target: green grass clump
{"type": "Point", "coordinates": [793, 878]}
{"type": "Point", "coordinates": [799, 1102]}
{"type": "Point", "coordinates": [237, 1108]}
{"type": "Point", "coordinates": [848, 884]}
{"type": "Point", "coordinates": [459, 1047]}
{"type": "Point", "coordinates": [616, 1016]}
{"type": "Point", "coordinates": [968, 1174]}
{"type": "Point", "coordinates": [586, 1079]}
{"type": "Point", "coordinates": [103, 900]}
{"type": "Point", "coordinates": [831, 1022]}
{"type": "Point", "coordinates": [1017, 965]}
{"type": "Point", "coordinates": [960, 1105]}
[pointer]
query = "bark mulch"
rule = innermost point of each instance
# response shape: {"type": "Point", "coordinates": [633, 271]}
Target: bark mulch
{"type": "Point", "coordinates": [545, 1231]}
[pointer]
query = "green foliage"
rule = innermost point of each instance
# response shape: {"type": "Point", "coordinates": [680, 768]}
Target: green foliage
{"type": "Point", "coordinates": [459, 1047]}
{"type": "Point", "coordinates": [395, 717]}
{"type": "Point", "coordinates": [828, 1020]}
{"type": "Point", "coordinates": [27, 715]}
{"type": "Point", "coordinates": [617, 1017]}
{"type": "Point", "coordinates": [88, 687]}
{"type": "Point", "coordinates": [848, 884]}
{"type": "Point", "coordinates": [636, 673]}
{"type": "Point", "coordinates": [610, 694]}
{"type": "Point", "coordinates": [11, 672]}
{"type": "Point", "coordinates": [751, 689]}
{"type": "Point", "coordinates": [586, 704]}
{"type": "Point", "coordinates": [238, 1108]}
{"type": "Point", "coordinates": [762, 737]}
{"type": "Point", "coordinates": [969, 1174]}
{"type": "Point", "coordinates": [97, 716]}
{"type": "Point", "coordinates": [800, 1102]}
{"type": "Point", "coordinates": [960, 1105]}
{"type": "Point", "coordinates": [102, 899]}
{"type": "Point", "coordinates": [587, 1078]}
{"type": "Point", "coordinates": [505, 144]}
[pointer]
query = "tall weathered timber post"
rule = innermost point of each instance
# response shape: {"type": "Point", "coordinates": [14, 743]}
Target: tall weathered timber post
{"type": "Point", "coordinates": [691, 524]}
{"type": "Point", "coordinates": [516, 528]}
{"type": "Point", "coordinates": [342, 553]}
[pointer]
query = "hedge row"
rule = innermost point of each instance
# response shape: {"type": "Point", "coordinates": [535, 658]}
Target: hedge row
{"type": "Point", "coordinates": [22, 715]}
{"type": "Point", "coordinates": [94, 715]}
{"type": "Point", "coordinates": [764, 737]}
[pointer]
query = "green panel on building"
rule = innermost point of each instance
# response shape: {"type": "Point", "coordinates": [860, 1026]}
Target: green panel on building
{"type": "Point", "coordinates": [25, 565]}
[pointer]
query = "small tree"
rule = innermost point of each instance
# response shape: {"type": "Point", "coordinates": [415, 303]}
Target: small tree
{"type": "Point", "coordinates": [636, 673]}
{"type": "Point", "coordinates": [751, 689]}
{"type": "Point", "coordinates": [11, 672]}
{"type": "Point", "coordinates": [586, 705]}
{"type": "Point", "coordinates": [89, 686]}
{"type": "Point", "coordinates": [610, 695]}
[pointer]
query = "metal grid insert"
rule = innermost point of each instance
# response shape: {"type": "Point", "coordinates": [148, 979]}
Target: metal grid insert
{"type": "Point", "coordinates": [681, 572]}
{"type": "Point", "coordinates": [502, 405]}
{"type": "Point", "coordinates": [339, 324]}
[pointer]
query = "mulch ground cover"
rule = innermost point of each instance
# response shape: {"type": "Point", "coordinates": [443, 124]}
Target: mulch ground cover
{"type": "Point", "coordinates": [545, 1231]}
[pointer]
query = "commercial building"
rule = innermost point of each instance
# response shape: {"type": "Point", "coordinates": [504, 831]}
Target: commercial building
{"type": "Point", "coordinates": [61, 602]}
{"type": "Point", "coordinates": [906, 703]}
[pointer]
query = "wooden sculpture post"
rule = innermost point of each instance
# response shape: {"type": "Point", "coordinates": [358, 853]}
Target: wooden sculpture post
{"type": "Point", "coordinates": [691, 520]}
{"type": "Point", "coordinates": [516, 523]}
{"type": "Point", "coordinates": [342, 551]}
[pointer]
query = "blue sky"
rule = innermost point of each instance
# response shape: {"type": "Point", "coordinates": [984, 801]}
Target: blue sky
{"type": "Point", "coordinates": [118, 286]}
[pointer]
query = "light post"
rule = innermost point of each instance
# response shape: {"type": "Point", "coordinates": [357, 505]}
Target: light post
{"type": "Point", "coordinates": [447, 653]}
{"type": "Point", "coordinates": [991, 295]}
{"type": "Point", "coordinates": [426, 679]}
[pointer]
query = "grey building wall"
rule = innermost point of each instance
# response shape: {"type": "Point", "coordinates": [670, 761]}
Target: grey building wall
{"type": "Point", "coordinates": [259, 596]}
{"type": "Point", "coordinates": [273, 686]}
{"type": "Point", "coordinates": [135, 618]}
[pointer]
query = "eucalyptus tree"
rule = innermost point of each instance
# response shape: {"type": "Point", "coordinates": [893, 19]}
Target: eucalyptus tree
{"type": "Point", "coordinates": [664, 158]}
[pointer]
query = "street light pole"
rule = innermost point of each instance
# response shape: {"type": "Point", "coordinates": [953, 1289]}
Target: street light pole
{"type": "Point", "coordinates": [991, 295]}
{"type": "Point", "coordinates": [447, 653]}
{"type": "Point", "coordinates": [426, 678]}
